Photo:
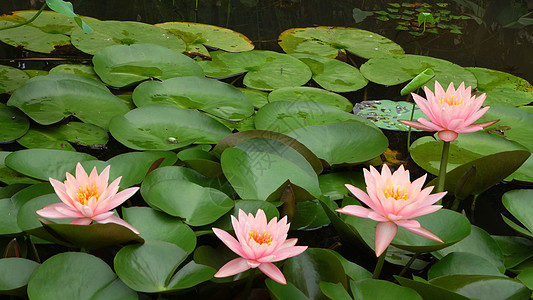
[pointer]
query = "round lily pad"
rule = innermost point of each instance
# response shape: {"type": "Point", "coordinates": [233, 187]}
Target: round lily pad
{"type": "Point", "coordinates": [332, 74]}
{"type": "Point", "coordinates": [304, 93]}
{"type": "Point", "coordinates": [122, 65]}
{"type": "Point", "coordinates": [386, 113]}
{"type": "Point", "coordinates": [258, 98]}
{"type": "Point", "coordinates": [284, 116]}
{"type": "Point", "coordinates": [209, 95]}
{"type": "Point", "coordinates": [84, 70]}
{"type": "Point", "coordinates": [109, 33]}
{"type": "Point", "coordinates": [502, 88]}
{"type": "Point", "coordinates": [396, 69]}
{"type": "Point", "coordinates": [266, 70]}
{"type": "Point", "coordinates": [71, 94]}
{"type": "Point", "coordinates": [14, 123]}
{"type": "Point", "coordinates": [11, 78]}
{"type": "Point", "coordinates": [10, 176]}
{"type": "Point", "coordinates": [14, 275]}
{"type": "Point", "coordinates": [328, 41]}
{"type": "Point", "coordinates": [165, 128]}
{"type": "Point", "coordinates": [196, 36]}
{"type": "Point", "coordinates": [514, 124]}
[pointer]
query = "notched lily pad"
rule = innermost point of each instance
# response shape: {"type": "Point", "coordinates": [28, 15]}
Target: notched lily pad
{"type": "Point", "coordinates": [196, 36]}
{"type": "Point", "coordinates": [122, 65]}
{"type": "Point", "coordinates": [328, 41]}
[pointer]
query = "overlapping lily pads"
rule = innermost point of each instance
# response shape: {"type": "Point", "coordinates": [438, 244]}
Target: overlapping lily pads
{"type": "Point", "coordinates": [396, 69]}
{"type": "Point", "coordinates": [14, 283]}
{"type": "Point", "coordinates": [502, 88]}
{"type": "Point", "coordinates": [109, 33]}
{"type": "Point", "coordinates": [165, 128]}
{"type": "Point", "coordinates": [122, 65]}
{"type": "Point", "coordinates": [49, 99]}
{"type": "Point", "coordinates": [266, 70]}
{"type": "Point", "coordinates": [332, 74]}
{"type": "Point", "coordinates": [304, 93]}
{"type": "Point", "coordinates": [11, 78]}
{"type": "Point", "coordinates": [209, 95]}
{"type": "Point", "coordinates": [14, 123]}
{"type": "Point", "coordinates": [84, 70]}
{"type": "Point", "coordinates": [328, 41]}
{"type": "Point", "coordinates": [197, 36]}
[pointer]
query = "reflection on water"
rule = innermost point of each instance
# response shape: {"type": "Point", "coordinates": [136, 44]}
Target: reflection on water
{"type": "Point", "coordinates": [484, 41]}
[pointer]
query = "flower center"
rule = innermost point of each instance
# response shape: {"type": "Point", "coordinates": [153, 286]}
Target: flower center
{"type": "Point", "coordinates": [451, 101]}
{"type": "Point", "coordinates": [84, 194]}
{"type": "Point", "coordinates": [394, 191]}
{"type": "Point", "coordinates": [264, 238]}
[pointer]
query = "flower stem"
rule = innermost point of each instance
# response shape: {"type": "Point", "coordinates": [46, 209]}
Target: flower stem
{"type": "Point", "coordinates": [442, 169]}
{"type": "Point", "coordinates": [409, 263]}
{"type": "Point", "coordinates": [27, 22]}
{"type": "Point", "coordinates": [249, 283]}
{"type": "Point", "coordinates": [379, 264]}
{"type": "Point", "coordinates": [409, 132]}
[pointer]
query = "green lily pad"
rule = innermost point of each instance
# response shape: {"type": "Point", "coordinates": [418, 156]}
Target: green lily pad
{"type": "Point", "coordinates": [11, 78]}
{"type": "Point", "coordinates": [258, 167]}
{"type": "Point", "coordinates": [14, 275]}
{"type": "Point", "coordinates": [428, 291]}
{"type": "Point", "coordinates": [122, 65]}
{"type": "Point", "coordinates": [284, 291]}
{"type": "Point", "coordinates": [480, 243]}
{"type": "Point", "coordinates": [328, 41]}
{"type": "Point", "coordinates": [483, 286]}
{"type": "Point", "coordinates": [386, 113]}
{"type": "Point", "coordinates": [45, 163]}
{"type": "Point", "coordinates": [8, 220]}
{"type": "Point", "coordinates": [202, 161]}
{"type": "Point", "coordinates": [10, 176]}
{"type": "Point", "coordinates": [51, 137]}
{"type": "Point", "coordinates": [84, 70]}
{"type": "Point", "coordinates": [151, 268]}
{"type": "Point", "coordinates": [266, 70]}
{"type": "Point", "coordinates": [515, 249]}
{"type": "Point", "coordinates": [301, 93]}
{"type": "Point", "coordinates": [258, 98]}
{"type": "Point", "coordinates": [514, 124]}
{"type": "Point", "coordinates": [74, 275]}
{"type": "Point", "coordinates": [373, 289]}
{"type": "Point", "coordinates": [109, 33]}
{"type": "Point", "coordinates": [516, 202]}
{"type": "Point", "coordinates": [310, 215]}
{"type": "Point", "coordinates": [332, 74]}
{"type": "Point", "coordinates": [14, 124]}
{"type": "Point", "coordinates": [49, 99]}
{"type": "Point", "coordinates": [35, 73]}
{"type": "Point", "coordinates": [196, 204]}
{"type": "Point", "coordinates": [165, 128]}
{"type": "Point", "coordinates": [333, 186]}
{"type": "Point", "coordinates": [335, 143]}
{"type": "Point", "coordinates": [502, 88]}
{"type": "Point", "coordinates": [463, 263]}
{"type": "Point", "coordinates": [284, 116]}
{"type": "Point", "coordinates": [197, 36]}
{"type": "Point", "coordinates": [209, 95]}
{"type": "Point", "coordinates": [396, 69]}
{"type": "Point", "coordinates": [334, 291]}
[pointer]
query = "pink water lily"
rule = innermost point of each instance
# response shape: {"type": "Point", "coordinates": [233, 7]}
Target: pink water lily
{"type": "Point", "coordinates": [392, 200]}
{"type": "Point", "coordinates": [258, 244]}
{"type": "Point", "coordinates": [86, 198]}
{"type": "Point", "coordinates": [450, 112]}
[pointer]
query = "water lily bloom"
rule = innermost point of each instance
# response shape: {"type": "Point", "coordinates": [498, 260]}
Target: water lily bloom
{"type": "Point", "coordinates": [392, 200]}
{"type": "Point", "coordinates": [86, 198]}
{"type": "Point", "coordinates": [450, 112]}
{"type": "Point", "coordinates": [258, 244]}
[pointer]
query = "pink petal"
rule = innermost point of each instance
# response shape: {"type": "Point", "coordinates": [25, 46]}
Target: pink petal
{"type": "Point", "coordinates": [385, 232]}
{"type": "Point", "coordinates": [422, 211]}
{"type": "Point", "coordinates": [424, 232]}
{"type": "Point", "coordinates": [61, 192]}
{"type": "Point", "coordinates": [354, 210]}
{"type": "Point", "coordinates": [50, 211]}
{"type": "Point", "coordinates": [273, 272]}
{"type": "Point", "coordinates": [119, 221]}
{"type": "Point", "coordinates": [67, 211]}
{"type": "Point", "coordinates": [359, 194]}
{"type": "Point", "coordinates": [447, 135]}
{"type": "Point", "coordinates": [229, 241]}
{"type": "Point", "coordinates": [81, 176]}
{"type": "Point", "coordinates": [416, 124]}
{"type": "Point", "coordinates": [283, 254]}
{"type": "Point", "coordinates": [102, 216]}
{"type": "Point", "coordinates": [233, 267]}
{"type": "Point", "coordinates": [81, 221]}
{"type": "Point", "coordinates": [117, 200]}
{"type": "Point", "coordinates": [102, 180]}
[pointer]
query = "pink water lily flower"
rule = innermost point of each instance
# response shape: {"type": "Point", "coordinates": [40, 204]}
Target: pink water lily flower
{"type": "Point", "coordinates": [258, 244]}
{"type": "Point", "coordinates": [450, 112]}
{"type": "Point", "coordinates": [392, 200]}
{"type": "Point", "coordinates": [88, 198]}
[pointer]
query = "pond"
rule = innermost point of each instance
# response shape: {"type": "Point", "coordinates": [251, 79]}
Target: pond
{"type": "Point", "coordinates": [196, 141]}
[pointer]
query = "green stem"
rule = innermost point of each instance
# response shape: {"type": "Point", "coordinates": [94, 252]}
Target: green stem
{"type": "Point", "coordinates": [228, 13]}
{"type": "Point", "coordinates": [442, 169]}
{"type": "Point", "coordinates": [455, 204]}
{"type": "Point", "coordinates": [249, 283]}
{"type": "Point", "coordinates": [408, 264]}
{"type": "Point", "coordinates": [379, 264]}
{"type": "Point", "coordinates": [409, 132]}
{"type": "Point", "coordinates": [27, 22]}
{"type": "Point", "coordinates": [472, 208]}
{"type": "Point", "coordinates": [34, 250]}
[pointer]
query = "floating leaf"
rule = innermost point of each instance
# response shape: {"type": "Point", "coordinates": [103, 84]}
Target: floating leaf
{"type": "Point", "coordinates": [396, 69]}
{"type": "Point", "coordinates": [14, 123]}
{"type": "Point", "coordinates": [10, 176]}
{"type": "Point", "coordinates": [65, 8]}
{"type": "Point", "coordinates": [50, 137]}
{"type": "Point", "coordinates": [483, 286]}
{"type": "Point", "coordinates": [165, 128]}
{"type": "Point", "coordinates": [122, 65]}
{"type": "Point", "coordinates": [418, 81]}
{"type": "Point", "coordinates": [502, 88]}
{"type": "Point", "coordinates": [84, 70]}
{"type": "Point", "coordinates": [463, 263]}
{"type": "Point", "coordinates": [517, 203]}
{"type": "Point", "coordinates": [386, 113]}
{"type": "Point", "coordinates": [301, 93]}
{"type": "Point", "coordinates": [428, 291]}
{"type": "Point", "coordinates": [515, 249]}
{"type": "Point", "coordinates": [14, 275]}
{"type": "Point", "coordinates": [266, 70]}
{"type": "Point", "coordinates": [209, 95]}
{"type": "Point", "coordinates": [333, 186]}
{"type": "Point", "coordinates": [373, 289]}
{"type": "Point", "coordinates": [11, 78]}
{"type": "Point", "coordinates": [71, 94]}
{"type": "Point", "coordinates": [328, 41]}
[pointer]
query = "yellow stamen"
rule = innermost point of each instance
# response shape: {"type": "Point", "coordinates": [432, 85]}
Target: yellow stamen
{"type": "Point", "coordinates": [395, 192]}
{"type": "Point", "coordinates": [265, 238]}
{"type": "Point", "coordinates": [84, 194]}
{"type": "Point", "coordinates": [451, 101]}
